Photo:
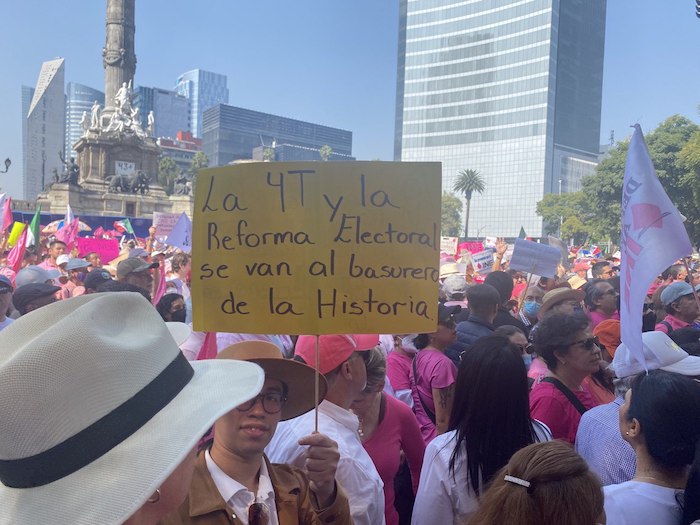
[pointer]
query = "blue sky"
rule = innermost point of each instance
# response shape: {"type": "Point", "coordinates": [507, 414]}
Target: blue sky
{"type": "Point", "coordinates": [327, 61]}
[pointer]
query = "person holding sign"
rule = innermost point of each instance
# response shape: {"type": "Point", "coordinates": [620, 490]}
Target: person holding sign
{"type": "Point", "coordinates": [342, 362]}
{"type": "Point", "coordinates": [234, 479]}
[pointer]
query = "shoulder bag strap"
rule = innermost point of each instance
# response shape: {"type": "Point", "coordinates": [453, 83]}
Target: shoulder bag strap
{"type": "Point", "coordinates": [568, 393]}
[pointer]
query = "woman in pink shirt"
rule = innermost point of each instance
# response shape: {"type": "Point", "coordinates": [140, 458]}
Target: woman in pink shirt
{"type": "Point", "coordinates": [387, 427]}
{"type": "Point", "coordinates": [565, 343]}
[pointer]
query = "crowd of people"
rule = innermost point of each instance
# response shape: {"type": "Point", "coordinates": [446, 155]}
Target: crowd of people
{"type": "Point", "coordinates": [522, 406]}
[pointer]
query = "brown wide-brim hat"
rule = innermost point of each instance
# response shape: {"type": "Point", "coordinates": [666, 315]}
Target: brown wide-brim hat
{"type": "Point", "coordinates": [556, 296]}
{"type": "Point", "coordinates": [298, 377]}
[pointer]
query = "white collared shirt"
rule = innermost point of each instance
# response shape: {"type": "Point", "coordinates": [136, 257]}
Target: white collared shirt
{"type": "Point", "coordinates": [238, 497]}
{"type": "Point", "coordinates": [356, 472]}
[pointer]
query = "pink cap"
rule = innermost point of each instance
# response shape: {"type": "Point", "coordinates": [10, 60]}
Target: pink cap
{"type": "Point", "coordinates": [333, 349]}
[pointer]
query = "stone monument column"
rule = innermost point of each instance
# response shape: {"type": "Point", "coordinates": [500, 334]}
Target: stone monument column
{"type": "Point", "coordinates": [119, 57]}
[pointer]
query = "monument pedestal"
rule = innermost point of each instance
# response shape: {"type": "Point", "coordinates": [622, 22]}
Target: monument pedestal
{"type": "Point", "coordinates": [98, 202]}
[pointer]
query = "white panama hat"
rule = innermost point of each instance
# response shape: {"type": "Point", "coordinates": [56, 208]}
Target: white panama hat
{"type": "Point", "coordinates": [99, 407]}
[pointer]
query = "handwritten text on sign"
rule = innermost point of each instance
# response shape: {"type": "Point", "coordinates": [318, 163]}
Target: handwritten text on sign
{"type": "Point", "coordinates": [317, 248]}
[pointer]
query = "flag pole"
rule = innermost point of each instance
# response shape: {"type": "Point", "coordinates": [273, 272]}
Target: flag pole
{"type": "Point", "coordinates": [316, 386]}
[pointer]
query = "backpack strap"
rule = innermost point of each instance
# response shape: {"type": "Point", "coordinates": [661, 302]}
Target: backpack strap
{"type": "Point", "coordinates": [667, 325]}
{"type": "Point", "coordinates": [575, 401]}
{"type": "Point", "coordinates": [428, 412]}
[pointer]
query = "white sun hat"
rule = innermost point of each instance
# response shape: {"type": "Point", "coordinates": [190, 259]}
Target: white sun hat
{"type": "Point", "coordinates": [99, 407]}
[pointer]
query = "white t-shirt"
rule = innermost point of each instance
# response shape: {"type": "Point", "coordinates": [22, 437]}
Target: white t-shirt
{"type": "Point", "coordinates": [637, 502]}
{"type": "Point", "coordinates": [443, 498]}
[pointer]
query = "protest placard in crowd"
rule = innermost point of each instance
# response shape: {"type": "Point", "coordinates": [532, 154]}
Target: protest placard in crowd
{"type": "Point", "coordinates": [448, 245]}
{"type": "Point", "coordinates": [535, 258]}
{"type": "Point", "coordinates": [332, 247]}
{"type": "Point", "coordinates": [164, 223]}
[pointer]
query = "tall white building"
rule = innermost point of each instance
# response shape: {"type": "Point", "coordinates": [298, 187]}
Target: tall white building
{"type": "Point", "coordinates": [204, 89]}
{"type": "Point", "coordinates": [510, 88]}
{"type": "Point", "coordinates": [45, 129]}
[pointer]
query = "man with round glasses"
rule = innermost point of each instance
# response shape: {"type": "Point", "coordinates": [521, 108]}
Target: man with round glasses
{"type": "Point", "coordinates": [234, 482]}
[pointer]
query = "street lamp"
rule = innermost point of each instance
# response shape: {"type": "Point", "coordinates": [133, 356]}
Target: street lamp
{"type": "Point", "coordinates": [8, 163]}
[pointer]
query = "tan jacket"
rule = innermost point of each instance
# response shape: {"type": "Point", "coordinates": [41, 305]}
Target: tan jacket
{"type": "Point", "coordinates": [293, 499]}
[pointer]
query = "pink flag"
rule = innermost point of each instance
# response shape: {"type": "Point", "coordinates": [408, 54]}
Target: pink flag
{"type": "Point", "coordinates": [160, 291]}
{"type": "Point", "coordinates": [208, 349]}
{"type": "Point", "coordinates": [7, 219]}
{"type": "Point", "coordinates": [14, 258]}
{"type": "Point", "coordinates": [98, 233]}
{"type": "Point", "coordinates": [653, 237]}
{"type": "Point", "coordinates": [69, 233]}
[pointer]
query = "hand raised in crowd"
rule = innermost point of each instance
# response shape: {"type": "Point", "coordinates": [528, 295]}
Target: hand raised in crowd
{"type": "Point", "coordinates": [501, 246]}
{"type": "Point", "coordinates": [321, 463]}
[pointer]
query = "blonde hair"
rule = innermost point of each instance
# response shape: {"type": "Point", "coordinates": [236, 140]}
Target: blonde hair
{"type": "Point", "coordinates": [376, 367]}
{"type": "Point", "coordinates": [562, 489]}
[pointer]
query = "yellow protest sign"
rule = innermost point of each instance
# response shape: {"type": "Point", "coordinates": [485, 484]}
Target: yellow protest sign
{"type": "Point", "coordinates": [317, 248]}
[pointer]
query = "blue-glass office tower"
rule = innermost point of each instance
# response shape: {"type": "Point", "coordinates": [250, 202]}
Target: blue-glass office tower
{"type": "Point", "coordinates": [79, 98]}
{"type": "Point", "coordinates": [511, 88]}
{"type": "Point", "coordinates": [232, 133]}
{"type": "Point", "coordinates": [204, 89]}
{"type": "Point", "coordinates": [171, 111]}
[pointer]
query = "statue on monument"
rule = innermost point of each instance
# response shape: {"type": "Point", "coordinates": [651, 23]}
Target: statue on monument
{"type": "Point", "coordinates": [71, 172]}
{"type": "Point", "coordinates": [123, 98]}
{"type": "Point", "coordinates": [182, 186]}
{"type": "Point", "coordinates": [95, 116]}
{"type": "Point", "coordinates": [151, 129]}
{"type": "Point", "coordinates": [84, 124]}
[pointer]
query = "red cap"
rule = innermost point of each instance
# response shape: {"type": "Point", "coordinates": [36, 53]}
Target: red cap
{"type": "Point", "coordinates": [333, 349]}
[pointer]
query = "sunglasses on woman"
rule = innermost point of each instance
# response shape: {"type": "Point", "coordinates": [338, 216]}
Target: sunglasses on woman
{"type": "Point", "coordinates": [589, 344]}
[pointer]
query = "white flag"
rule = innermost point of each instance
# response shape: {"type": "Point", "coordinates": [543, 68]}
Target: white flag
{"type": "Point", "coordinates": [652, 238]}
{"type": "Point", "coordinates": [69, 216]}
{"type": "Point", "coordinates": [181, 234]}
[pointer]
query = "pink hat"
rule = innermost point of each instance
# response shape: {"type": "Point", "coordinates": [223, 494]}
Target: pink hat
{"type": "Point", "coordinates": [333, 349]}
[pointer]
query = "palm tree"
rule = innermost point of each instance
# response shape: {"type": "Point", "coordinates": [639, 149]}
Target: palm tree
{"type": "Point", "coordinates": [468, 182]}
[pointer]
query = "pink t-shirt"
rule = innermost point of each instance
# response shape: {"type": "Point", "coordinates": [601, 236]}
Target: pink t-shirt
{"type": "Point", "coordinates": [596, 317]}
{"type": "Point", "coordinates": [673, 321]}
{"type": "Point", "coordinates": [398, 367]}
{"type": "Point", "coordinates": [549, 405]}
{"type": "Point", "coordinates": [435, 370]}
{"type": "Point", "coordinates": [397, 431]}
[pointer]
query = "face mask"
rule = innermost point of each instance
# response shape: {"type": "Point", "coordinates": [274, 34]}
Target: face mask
{"type": "Point", "coordinates": [531, 308]}
{"type": "Point", "coordinates": [527, 358]}
{"type": "Point", "coordinates": [80, 276]}
{"type": "Point", "coordinates": [407, 344]}
{"type": "Point", "coordinates": [179, 316]}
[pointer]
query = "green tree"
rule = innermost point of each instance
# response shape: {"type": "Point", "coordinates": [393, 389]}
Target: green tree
{"type": "Point", "coordinates": [468, 182]}
{"type": "Point", "coordinates": [451, 214]}
{"type": "Point", "coordinates": [568, 210]}
{"type": "Point", "coordinates": [325, 152]}
{"type": "Point", "coordinates": [673, 150]}
{"type": "Point", "coordinates": [167, 173]}
{"type": "Point", "coordinates": [199, 161]}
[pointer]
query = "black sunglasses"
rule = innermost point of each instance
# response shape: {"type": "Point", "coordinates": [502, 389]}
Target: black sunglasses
{"type": "Point", "coordinates": [589, 343]}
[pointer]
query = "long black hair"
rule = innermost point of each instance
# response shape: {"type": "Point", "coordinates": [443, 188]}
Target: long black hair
{"type": "Point", "coordinates": [491, 412]}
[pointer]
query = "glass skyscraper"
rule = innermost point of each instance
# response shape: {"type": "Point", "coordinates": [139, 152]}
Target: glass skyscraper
{"type": "Point", "coordinates": [232, 133]}
{"type": "Point", "coordinates": [79, 98]}
{"type": "Point", "coordinates": [204, 89]}
{"type": "Point", "coordinates": [170, 110]}
{"type": "Point", "coordinates": [510, 88]}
